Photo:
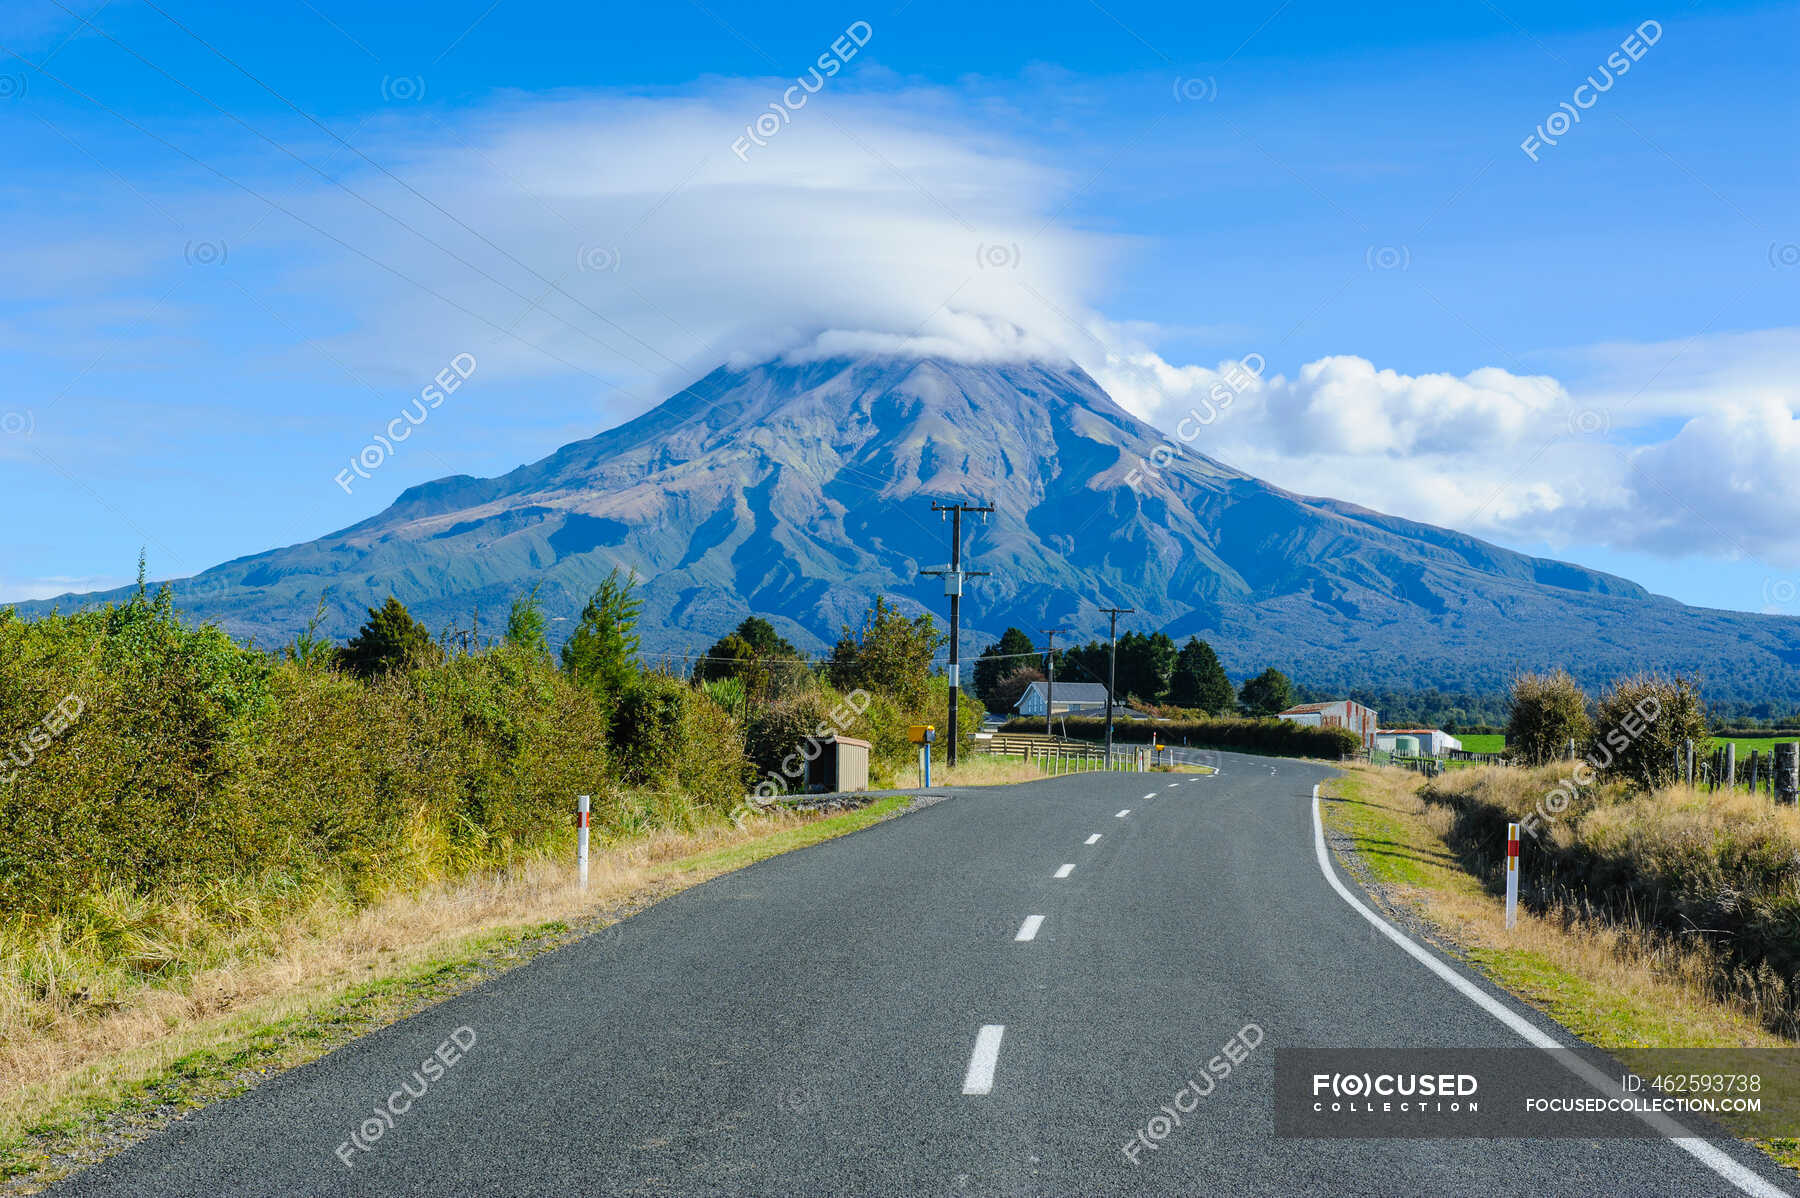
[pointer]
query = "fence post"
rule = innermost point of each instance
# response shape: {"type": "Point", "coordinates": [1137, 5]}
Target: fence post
{"type": "Point", "coordinates": [1688, 776]}
{"type": "Point", "coordinates": [1730, 765]}
{"type": "Point", "coordinates": [1755, 757]}
{"type": "Point", "coordinates": [1787, 772]}
{"type": "Point", "coordinates": [582, 809]}
{"type": "Point", "coordinates": [1512, 875]}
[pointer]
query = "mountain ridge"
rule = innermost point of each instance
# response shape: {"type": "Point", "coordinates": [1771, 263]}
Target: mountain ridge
{"type": "Point", "coordinates": [798, 491]}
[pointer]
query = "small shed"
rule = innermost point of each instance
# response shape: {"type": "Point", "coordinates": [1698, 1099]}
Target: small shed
{"type": "Point", "coordinates": [841, 765]}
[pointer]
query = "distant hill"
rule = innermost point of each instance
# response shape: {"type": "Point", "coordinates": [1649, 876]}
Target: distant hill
{"type": "Point", "coordinates": [800, 490]}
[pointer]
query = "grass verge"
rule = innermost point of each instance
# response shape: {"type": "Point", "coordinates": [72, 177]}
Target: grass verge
{"type": "Point", "coordinates": [96, 1085]}
{"type": "Point", "coordinates": [1591, 978]}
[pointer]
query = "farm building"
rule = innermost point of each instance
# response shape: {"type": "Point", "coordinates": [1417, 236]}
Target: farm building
{"type": "Point", "coordinates": [1339, 713]}
{"type": "Point", "coordinates": [1433, 742]}
{"type": "Point", "coordinates": [1071, 698]}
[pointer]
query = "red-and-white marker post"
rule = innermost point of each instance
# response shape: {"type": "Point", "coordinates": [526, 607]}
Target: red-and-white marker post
{"type": "Point", "coordinates": [1512, 874]}
{"type": "Point", "coordinates": [581, 836]}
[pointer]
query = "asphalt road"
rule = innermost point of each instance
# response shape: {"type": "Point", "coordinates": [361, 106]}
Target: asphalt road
{"type": "Point", "coordinates": [813, 1025]}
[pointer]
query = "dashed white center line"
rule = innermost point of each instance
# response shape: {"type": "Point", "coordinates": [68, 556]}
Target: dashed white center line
{"type": "Point", "coordinates": [1151, 795]}
{"type": "Point", "coordinates": [1123, 813]}
{"type": "Point", "coordinates": [1173, 785]}
{"type": "Point", "coordinates": [1065, 871]}
{"type": "Point", "coordinates": [980, 1077]}
{"type": "Point", "coordinates": [1094, 839]}
{"type": "Point", "coordinates": [1029, 929]}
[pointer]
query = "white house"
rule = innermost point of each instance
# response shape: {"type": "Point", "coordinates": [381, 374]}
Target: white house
{"type": "Point", "coordinates": [1433, 742]}
{"type": "Point", "coordinates": [1071, 697]}
{"type": "Point", "coordinates": [1339, 713]}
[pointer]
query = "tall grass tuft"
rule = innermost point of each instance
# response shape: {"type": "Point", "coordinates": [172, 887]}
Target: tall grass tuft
{"type": "Point", "coordinates": [1718, 873]}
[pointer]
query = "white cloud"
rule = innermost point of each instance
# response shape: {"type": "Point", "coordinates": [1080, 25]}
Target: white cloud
{"type": "Point", "coordinates": [640, 249]}
{"type": "Point", "coordinates": [1519, 458]}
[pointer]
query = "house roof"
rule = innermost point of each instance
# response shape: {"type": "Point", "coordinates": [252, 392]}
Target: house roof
{"type": "Point", "coordinates": [1412, 732]}
{"type": "Point", "coordinates": [1309, 708]}
{"type": "Point", "coordinates": [1069, 692]}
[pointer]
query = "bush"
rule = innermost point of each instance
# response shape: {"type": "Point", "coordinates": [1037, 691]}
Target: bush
{"type": "Point", "coordinates": [670, 734]}
{"type": "Point", "coordinates": [1641, 724]}
{"type": "Point", "coordinates": [1281, 738]}
{"type": "Point", "coordinates": [1547, 712]}
{"type": "Point", "coordinates": [1721, 870]}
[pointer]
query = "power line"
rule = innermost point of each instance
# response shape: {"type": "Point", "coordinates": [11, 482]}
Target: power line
{"type": "Point", "coordinates": [371, 204]}
{"type": "Point", "coordinates": [323, 128]}
{"type": "Point", "coordinates": [301, 220]}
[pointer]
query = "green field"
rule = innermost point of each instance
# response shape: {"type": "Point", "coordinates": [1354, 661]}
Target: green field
{"type": "Point", "coordinates": [1495, 742]}
{"type": "Point", "coordinates": [1766, 744]}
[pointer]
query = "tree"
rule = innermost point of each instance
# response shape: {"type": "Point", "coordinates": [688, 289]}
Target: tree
{"type": "Point", "coordinates": [1641, 724]}
{"type": "Point", "coordinates": [1145, 665]}
{"type": "Point", "coordinates": [390, 639]}
{"type": "Point", "coordinates": [1084, 663]}
{"type": "Point", "coordinates": [1199, 680]}
{"type": "Point", "coordinates": [761, 636]}
{"type": "Point", "coordinates": [1010, 689]}
{"type": "Point", "coordinates": [1546, 712]}
{"type": "Point", "coordinates": [1013, 650]}
{"type": "Point", "coordinates": [889, 655]}
{"type": "Point", "coordinates": [525, 626]}
{"type": "Point", "coordinates": [1269, 693]}
{"type": "Point", "coordinates": [602, 653]}
{"type": "Point", "coordinates": [755, 654]}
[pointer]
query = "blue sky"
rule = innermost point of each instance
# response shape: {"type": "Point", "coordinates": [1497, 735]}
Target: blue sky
{"type": "Point", "coordinates": [1591, 355]}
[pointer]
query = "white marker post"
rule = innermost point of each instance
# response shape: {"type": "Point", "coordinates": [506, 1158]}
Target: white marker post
{"type": "Point", "coordinates": [582, 807]}
{"type": "Point", "coordinates": [1512, 875]}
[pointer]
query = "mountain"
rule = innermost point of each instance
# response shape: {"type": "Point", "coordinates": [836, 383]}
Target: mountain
{"type": "Point", "coordinates": [799, 490]}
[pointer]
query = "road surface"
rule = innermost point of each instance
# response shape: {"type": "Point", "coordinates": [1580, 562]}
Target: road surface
{"type": "Point", "coordinates": [991, 996]}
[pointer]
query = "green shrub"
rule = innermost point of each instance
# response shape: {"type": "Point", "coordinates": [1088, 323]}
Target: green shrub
{"type": "Point", "coordinates": [1546, 713]}
{"type": "Point", "coordinates": [1641, 723]}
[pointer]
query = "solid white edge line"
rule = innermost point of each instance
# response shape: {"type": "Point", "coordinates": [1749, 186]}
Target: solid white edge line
{"type": "Point", "coordinates": [980, 1077]}
{"type": "Point", "coordinates": [1029, 929]}
{"type": "Point", "coordinates": [1065, 871]}
{"type": "Point", "coordinates": [1672, 1131]}
{"type": "Point", "coordinates": [1094, 839]}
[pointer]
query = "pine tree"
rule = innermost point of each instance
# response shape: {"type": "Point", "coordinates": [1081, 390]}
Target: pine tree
{"type": "Point", "coordinates": [1199, 680]}
{"type": "Point", "coordinates": [525, 627]}
{"type": "Point", "coordinates": [391, 639]}
{"type": "Point", "coordinates": [602, 653]}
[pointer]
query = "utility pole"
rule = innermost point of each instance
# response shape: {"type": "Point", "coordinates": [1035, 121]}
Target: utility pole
{"type": "Point", "coordinates": [1112, 668]}
{"type": "Point", "coordinates": [953, 576]}
{"type": "Point", "coordinates": [1050, 674]}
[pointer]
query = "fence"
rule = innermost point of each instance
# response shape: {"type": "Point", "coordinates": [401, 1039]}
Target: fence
{"type": "Point", "coordinates": [1775, 773]}
{"type": "Point", "coordinates": [1062, 755]}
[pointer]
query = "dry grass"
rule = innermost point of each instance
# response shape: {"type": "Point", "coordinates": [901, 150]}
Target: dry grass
{"type": "Point", "coordinates": [1615, 985]}
{"type": "Point", "coordinates": [985, 769]}
{"type": "Point", "coordinates": [1692, 876]}
{"type": "Point", "coordinates": [60, 1057]}
{"type": "Point", "coordinates": [1610, 983]}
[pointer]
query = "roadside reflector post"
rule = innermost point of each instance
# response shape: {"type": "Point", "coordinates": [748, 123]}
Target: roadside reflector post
{"type": "Point", "coordinates": [582, 815]}
{"type": "Point", "coordinates": [1512, 875]}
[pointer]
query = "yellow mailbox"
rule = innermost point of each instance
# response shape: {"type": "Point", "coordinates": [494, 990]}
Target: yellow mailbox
{"type": "Point", "coordinates": [922, 734]}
